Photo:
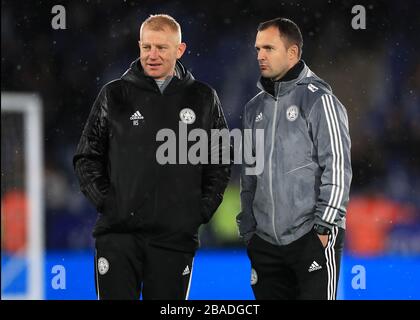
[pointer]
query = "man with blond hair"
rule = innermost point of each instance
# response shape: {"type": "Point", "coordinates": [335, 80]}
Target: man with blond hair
{"type": "Point", "coordinates": [149, 213]}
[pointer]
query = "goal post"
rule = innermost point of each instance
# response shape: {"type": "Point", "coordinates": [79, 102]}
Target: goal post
{"type": "Point", "coordinates": [22, 185]}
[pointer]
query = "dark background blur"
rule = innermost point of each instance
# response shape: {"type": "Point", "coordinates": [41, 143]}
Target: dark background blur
{"type": "Point", "coordinates": [374, 72]}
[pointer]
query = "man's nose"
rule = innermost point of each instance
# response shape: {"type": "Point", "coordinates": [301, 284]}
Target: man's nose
{"type": "Point", "coordinates": [261, 56]}
{"type": "Point", "coordinates": [153, 53]}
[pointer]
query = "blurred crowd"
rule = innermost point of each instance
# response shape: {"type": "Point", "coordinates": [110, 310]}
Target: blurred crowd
{"type": "Point", "coordinates": [374, 72]}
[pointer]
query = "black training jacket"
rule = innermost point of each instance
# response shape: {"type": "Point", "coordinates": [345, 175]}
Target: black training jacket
{"type": "Point", "coordinates": [116, 164]}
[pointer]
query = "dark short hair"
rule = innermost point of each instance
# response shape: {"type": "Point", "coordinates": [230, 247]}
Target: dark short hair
{"type": "Point", "coordinates": [287, 29]}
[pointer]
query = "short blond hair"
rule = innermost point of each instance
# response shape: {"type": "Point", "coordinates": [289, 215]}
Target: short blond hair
{"type": "Point", "coordinates": [158, 22]}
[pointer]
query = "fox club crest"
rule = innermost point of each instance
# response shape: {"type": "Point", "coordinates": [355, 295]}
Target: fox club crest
{"type": "Point", "coordinates": [254, 277]}
{"type": "Point", "coordinates": [187, 116]}
{"type": "Point", "coordinates": [292, 113]}
{"type": "Point", "coordinates": [103, 265]}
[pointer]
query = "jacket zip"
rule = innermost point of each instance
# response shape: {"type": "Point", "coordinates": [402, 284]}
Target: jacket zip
{"type": "Point", "coordinates": [270, 172]}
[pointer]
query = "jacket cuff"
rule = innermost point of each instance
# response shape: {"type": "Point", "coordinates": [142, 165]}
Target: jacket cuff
{"type": "Point", "coordinates": [321, 222]}
{"type": "Point", "coordinates": [246, 224]}
{"type": "Point", "coordinates": [248, 236]}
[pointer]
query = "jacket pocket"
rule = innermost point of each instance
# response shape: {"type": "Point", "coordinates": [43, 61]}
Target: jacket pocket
{"type": "Point", "coordinates": [109, 202]}
{"type": "Point", "coordinates": [144, 209]}
{"type": "Point", "coordinates": [301, 167]}
{"type": "Point", "coordinates": [300, 193]}
{"type": "Point", "coordinates": [318, 242]}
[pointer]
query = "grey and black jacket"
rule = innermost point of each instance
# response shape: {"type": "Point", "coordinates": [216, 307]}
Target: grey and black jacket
{"type": "Point", "coordinates": [307, 170]}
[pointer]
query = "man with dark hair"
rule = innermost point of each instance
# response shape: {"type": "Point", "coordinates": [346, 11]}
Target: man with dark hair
{"type": "Point", "coordinates": [149, 213]}
{"type": "Point", "coordinates": [293, 213]}
{"type": "Point", "coordinates": [289, 32]}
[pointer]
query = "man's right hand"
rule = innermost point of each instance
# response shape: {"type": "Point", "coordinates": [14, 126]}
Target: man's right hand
{"type": "Point", "coordinates": [323, 239]}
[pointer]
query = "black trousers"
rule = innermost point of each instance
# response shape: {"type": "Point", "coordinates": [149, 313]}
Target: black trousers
{"type": "Point", "coordinates": [127, 267]}
{"type": "Point", "coordinates": [302, 270]}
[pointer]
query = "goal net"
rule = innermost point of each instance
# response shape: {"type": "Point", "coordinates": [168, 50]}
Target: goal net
{"type": "Point", "coordinates": [22, 244]}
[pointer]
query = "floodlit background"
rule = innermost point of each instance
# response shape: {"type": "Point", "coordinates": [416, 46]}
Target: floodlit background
{"type": "Point", "coordinates": [374, 72]}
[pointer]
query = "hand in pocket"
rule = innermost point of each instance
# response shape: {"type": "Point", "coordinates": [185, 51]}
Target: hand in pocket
{"type": "Point", "coordinates": [323, 239]}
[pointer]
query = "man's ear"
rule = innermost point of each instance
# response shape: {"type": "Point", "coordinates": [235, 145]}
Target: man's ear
{"type": "Point", "coordinates": [181, 49]}
{"type": "Point", "coordinates": [293, 52]}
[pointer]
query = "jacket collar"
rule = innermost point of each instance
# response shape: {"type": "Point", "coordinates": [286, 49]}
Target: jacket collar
{"type": "Point", "coordinates": [136, 75]}
{"type": "Point", "coordinates": [285, 84]}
